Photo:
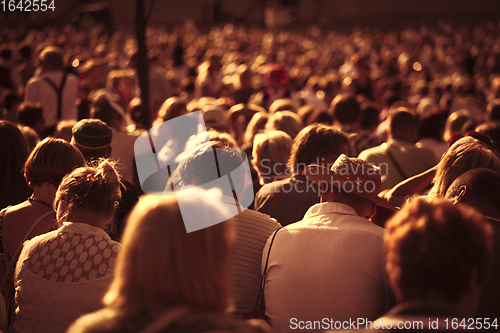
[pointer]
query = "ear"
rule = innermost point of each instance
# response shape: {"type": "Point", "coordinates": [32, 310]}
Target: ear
{"type": "Point", "coordinates": [462, 190]}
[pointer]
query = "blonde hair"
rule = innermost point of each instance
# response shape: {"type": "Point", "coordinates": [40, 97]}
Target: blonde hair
{"type": "Point", "coordinates": [459, 159]}
{"type": "Point", "coordinates": [161, 265]}
{"type": "Point", "coordinates": [285, 121]}
{"type": "Point", "coordinates": [274, 146]}
{"type": "Point", "coordinates": [94, 188]}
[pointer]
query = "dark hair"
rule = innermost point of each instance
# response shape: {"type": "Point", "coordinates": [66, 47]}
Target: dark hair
{"type": "Point", "coordinates": [492, 129]}
{"type": "Point", "coordinates": [345, 109]}
{"type": "Point", "coordinates": [432, 249]}
{"type": "Point", "coordinates": [10, 99]}
{"type": "Point", "coordinates": [96, 188]}
{"type": "Point", "coordinates": [316, 141]}
{"type": "Point", "coordinates": [30, 114]}
{"type": "Point", "coordinates": [51, 57]}
{"type": "Point", "coordinates": [13, 152]}
{"type": "Point", "coordinates": [431, 127]}
{"type": "Point", "coordinates": [50, 161]}
{"type": "Point", "coordinates": [493, 109]}
{"type": "Point", "coordinates": [25, 51]}
{"type": "Point", "coordinates": [6, 53]}
{"type": "Point", "coordinates": [369, 116]}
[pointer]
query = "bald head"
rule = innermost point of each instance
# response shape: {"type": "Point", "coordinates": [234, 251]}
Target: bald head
{"type": "Point", "coordinates": [477, 188]}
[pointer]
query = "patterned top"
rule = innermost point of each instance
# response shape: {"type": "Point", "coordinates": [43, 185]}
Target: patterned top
{"type": "Point", "coordinates": [287, 200]}
{"type": "Point", "coordinates": [62, 275]}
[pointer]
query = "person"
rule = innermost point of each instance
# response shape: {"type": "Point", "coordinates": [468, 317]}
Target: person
{"type": "Point", "coordinates": [93, 138]}
{"type": "Point", "coordinates": [288, 200]}
{"type": "Point", "coordinates": [465, 154]}
{"type": "Point", "coordinates": [271, 151]}
{"type": "Point", "coordinates": [31, 114]}
{"type": "Point", "coordinates": [366, 137]}
{"type": "Point", "coordinates": [209, 80]}
{"type": "Point", "coordinates": [443, 282]}
{"type": "Point", "coordinates": [285, 121]}
{"type": "Point", "coordinates": [44, 169]}
{"type": "Point", "coordinates": [14, 151]}
{"type": "Point", "coordinates": [54, 89]}
{"type": "Point", "coordinates": [105, 108]}
{"type": "Point", "coordinates": [345, 110]}
{"type": "Point", "coordinates": [478, 188]}
{"type": "Point", "coordinates": [63, 274]}
{"type": "Point", "coordinates": [252, 228]}
{"type": "Point", "coordinates": [399, 157]}
{"type": "Point", "coordinates": [344, 280]}
{"type": "Point", "coordinates": [188, 282]}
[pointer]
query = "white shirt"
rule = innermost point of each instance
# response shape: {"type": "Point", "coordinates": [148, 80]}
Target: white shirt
{"type": "Point", "coordinates": [39, 91]}
{"type": "Point", "coordinates": [329, 265]}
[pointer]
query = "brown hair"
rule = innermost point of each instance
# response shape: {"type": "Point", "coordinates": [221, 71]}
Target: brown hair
{"type": "Point", "coordinates": [50, 161]}
{"type": "Point", "coordinates": [190, 270]}
{"type": "Point", "coordinates": [433, 249]}
{"type": "Point", "coordinates": [315, 141]}
{"type": "Point", "coordinates": [96, 188]}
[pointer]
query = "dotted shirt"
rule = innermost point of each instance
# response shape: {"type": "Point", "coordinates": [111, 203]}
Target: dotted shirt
{"type": "Point", "coordinates": [62, 275]}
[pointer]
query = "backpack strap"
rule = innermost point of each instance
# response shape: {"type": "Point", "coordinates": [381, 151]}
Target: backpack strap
{"type": "Point", "coordinates": [58, 92]}
{"type": "Point", "coordinates": [393, 160]}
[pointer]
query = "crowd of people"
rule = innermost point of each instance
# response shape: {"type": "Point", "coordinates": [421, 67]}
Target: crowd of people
{"type": "Point", "coordinates": [375, 177]}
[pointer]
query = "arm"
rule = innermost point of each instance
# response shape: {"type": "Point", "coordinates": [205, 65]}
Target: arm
{"type": "Point", "coordinates": [398, 194]}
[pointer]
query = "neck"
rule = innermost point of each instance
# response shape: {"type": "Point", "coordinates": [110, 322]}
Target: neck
{"type": "Point", "coordinates": [45, 192]}
{"type": "Point", "coordinates": [95, 219]}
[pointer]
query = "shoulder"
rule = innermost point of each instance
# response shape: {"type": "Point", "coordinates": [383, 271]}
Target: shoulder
{"type": "Point", "coordinates": [372, 152]}
{"type": "Point", "coordinates": [106, 320]}
{"type": "Point", "coordinates": [258, 219]}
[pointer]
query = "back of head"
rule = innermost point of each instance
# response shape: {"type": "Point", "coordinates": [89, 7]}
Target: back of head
{"type": "Point", "coordinates": [30, 114]}
{"type": "Point", "coordinates": [285, 121]}
{"type": "Point", "coordinates": [106, 108]}
{"type": "Point", "coordinates": [283, 104]}
{"type": "Point", "coordinates": [492, 129]}
{"type": "Point", "coordinates": [14, 152]}
{"type": "Point", "coordinates": [51, 58]}
{"type": "Point", "coordinates": [257, 124]}
{"type": "Point", "coordinates": [369, 118]}
{"type": "Point", "coordinates": [403, 124]}
{"type": "Point", "coordinates": [192, 268]}
{"type": "Point", "coordinates": [93, 138]}
{"type": "Point", "coordinates": [454, 123]}
{"type": "Point", "coordinates": [436, 251]}
{"type": "Point", "coordinates": [200, 167]}
{"type": "Point", "coordinates": [271, 151]}
{"type": "Point", "coordinates": [314, 143]}
{"type": "Point", "coordinates": [31, 136]}
{"type": "Point", "coordinates": [6, 53]}
{"type": "Point", "coordinates": [493, 109]}
{"type": "Point", "coordinates": [477, 188]}
{"type": "Point", "coordinates": [430, 127]}
{"type": "Point", "coordinates": [50, 161]}
{"type": "Point", "coordinates": [459, 159]}
{"type": "Point", "coordinates": [171, 108]}
{"type": "Point", "coordinates": [345, 109]}
{"type": "Point", "coordinates": [93, 188]}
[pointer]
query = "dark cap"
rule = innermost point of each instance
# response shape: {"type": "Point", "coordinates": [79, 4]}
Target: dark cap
{"type": "Point", "coordinates": [92, 133]}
